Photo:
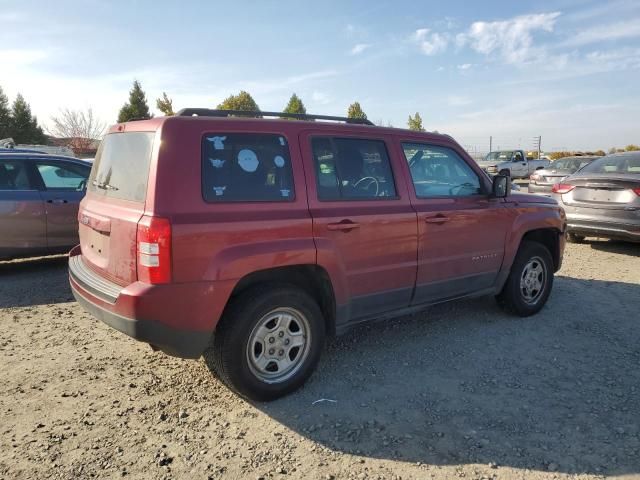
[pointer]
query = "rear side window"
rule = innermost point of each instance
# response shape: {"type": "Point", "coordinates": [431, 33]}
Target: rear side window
{"type": "Point", "coordinates": [246, 167]}
{"type": "Point", "coordinates": [352, 168]}
{"type": "Point", "coordinates": [13, 175]}
{"type": "Point", "coordinates": [121, 167]}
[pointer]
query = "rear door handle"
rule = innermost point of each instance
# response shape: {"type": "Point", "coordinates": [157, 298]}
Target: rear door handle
{"type": "Point", "coordinates": [57, 200]}
{"type": "Point", "coordinates": [344, 226]}
{"type": "Point", "coordinates": [438, 219]}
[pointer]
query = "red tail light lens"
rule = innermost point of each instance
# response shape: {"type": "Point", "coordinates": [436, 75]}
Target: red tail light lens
{"type": "Point", "coordinates": [562, 188]}
{"type": "Point", "coordinates": [154, 250]}
{"type": "Point", "coordinates": [636, 191]}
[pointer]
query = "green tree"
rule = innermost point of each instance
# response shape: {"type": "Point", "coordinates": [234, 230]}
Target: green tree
{"type": "Point", "coordinates": [242, 101]}
{"type": "Point", "coordinates": [23, 127]}
{"type": "Point", "coordinates": [415, 123]}
{"type": "Point", "coordinates": [599, 153]}
{"type": "Point", "coordinates": [295, 105]}
{"type": "Point", "coordinates": [612, 150]}
{"type": "Point", "coordinates": [136, 108]}
{"type": "Point", "coordinates": [631, 148]}
{"type": "Point", "coordinates": [557, 155]}
{"type": "Point", "coordinates": [165, 105]}
{"type": "Point", "coordinates": [5, 115]}
{"type": "Point", "coordinates": [355, 111]}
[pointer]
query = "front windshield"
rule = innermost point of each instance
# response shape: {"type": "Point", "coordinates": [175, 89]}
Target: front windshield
{"type": "Point", "coordinates": [619, 164]}
{"type": "Point", "coordinates": [499, 156]}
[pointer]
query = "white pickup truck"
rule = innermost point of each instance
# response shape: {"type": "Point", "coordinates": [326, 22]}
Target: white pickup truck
{"type": "Point", "coordinates": [513, 163]}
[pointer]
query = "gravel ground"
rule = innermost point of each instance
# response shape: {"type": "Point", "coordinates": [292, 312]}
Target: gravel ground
{"type": "Point", "coordinates": [461, 390]}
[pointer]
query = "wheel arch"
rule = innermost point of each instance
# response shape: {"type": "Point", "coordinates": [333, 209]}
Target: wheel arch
{"type": "Point", "coordinates": [550, 238]}
{"type": "Point", "coordinates": [313, 279]}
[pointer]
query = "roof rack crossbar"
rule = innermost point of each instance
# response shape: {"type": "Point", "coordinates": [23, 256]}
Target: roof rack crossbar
{"type": "Point", "coordinates": [207, 112]}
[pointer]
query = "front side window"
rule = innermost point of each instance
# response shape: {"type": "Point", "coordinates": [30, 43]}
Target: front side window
{"type": "Point", "coordinates": [13, 175]}
{"type": "Point", "coordinates": [246, 167]}
{"type": "Point", "coordinates": [58, 176]}
{"type": "Point", "coordinates": [440, 172]}
{"type": "Point", "coordinates": [350, 168]}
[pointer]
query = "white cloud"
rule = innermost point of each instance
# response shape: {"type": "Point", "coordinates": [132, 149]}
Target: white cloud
{"type": "Point", "coordinates": [359, 48]}
{"type": "Point", "coordinates": [600, 33]}
{"type": "Point", "coordinates": [269, 86]}
{"type": "Point", "coordinates": [440, 68]}
{"type": "Point", "coordinates": [620, 8]}
{"type": "Point", "coordinates": [431, 43]}
{"type": "Point", "coordinates": [23, 57]}
{"type": "Point", "coordinates": [458, 100]}
{"type": "Point", "coordinates": [512, 39]}
{"type": "Point", "coordinates": [11, 17]}
{"type": "Point", "coordinates": [465, 66]}
{"type": "Point", "coordinates": [320, 98]}
{"type": "Point", "coordinates": [620, 59]}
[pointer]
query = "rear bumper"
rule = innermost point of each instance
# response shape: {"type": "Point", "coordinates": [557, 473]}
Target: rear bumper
{"type": "Point", "coordinates": [595, 228]}
{"type": "Point", "coordinates": [540, 189]}
{"type": "Point", "coordinates": [178, 319]}
{"type": "Point", "coordinates": [178, 343]}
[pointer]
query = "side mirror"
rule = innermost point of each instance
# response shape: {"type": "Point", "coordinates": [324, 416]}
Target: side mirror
{"type": "Point", "coordinates": [501, 186]}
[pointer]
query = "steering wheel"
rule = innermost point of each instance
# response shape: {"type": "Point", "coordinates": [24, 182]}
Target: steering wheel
{"type": "Point", "coordinates": [371, 181]}
{"type": "Point", "coordinates": [415, 158]}
{"type": "Point", "coordinates": [461, 186]}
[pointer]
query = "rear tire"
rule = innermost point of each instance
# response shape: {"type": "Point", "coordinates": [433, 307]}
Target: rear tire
{"type": "Point", "coordinates": [529, 283]}
{"type": "Point", "coordinates": [574, 238]}
{"type": "Point", "coordinates": [268, 342]}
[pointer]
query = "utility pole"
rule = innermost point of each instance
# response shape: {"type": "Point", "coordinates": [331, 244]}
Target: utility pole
{"type": "Point", "coordinates": [490, 143]}
{"type": "Point", "coordinates": [537, 144]}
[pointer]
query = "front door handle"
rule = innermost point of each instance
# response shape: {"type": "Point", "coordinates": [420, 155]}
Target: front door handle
{"type": "Point", "coordinates": [343, 226]}
{"type": "Point", "coordinates": [57, 200]}
{"type": "Point", "coordinates": [438, 219]}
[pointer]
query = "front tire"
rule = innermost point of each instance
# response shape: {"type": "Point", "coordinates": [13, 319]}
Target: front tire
{"type": "Point", "coordinates": [529, 283]}
{"type": "Point", "coordinates": [505, 172]}
{"type": "Point", "coordinates": [268, 342]}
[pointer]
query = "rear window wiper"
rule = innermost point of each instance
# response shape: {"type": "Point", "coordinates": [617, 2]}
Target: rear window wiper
{"type": "Point", "coordinates": [103, 185]}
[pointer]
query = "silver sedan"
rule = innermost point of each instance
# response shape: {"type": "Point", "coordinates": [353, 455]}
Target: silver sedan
{"type": "Point", "coordinates": [603, 198]}
{"type": "Point", "coordinates": [541, 181]}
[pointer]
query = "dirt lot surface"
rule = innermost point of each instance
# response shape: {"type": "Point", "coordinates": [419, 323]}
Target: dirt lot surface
{"type": "Point", "coordinates": [461, 390]}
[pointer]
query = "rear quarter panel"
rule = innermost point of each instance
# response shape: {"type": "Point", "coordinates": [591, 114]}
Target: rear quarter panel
{"type": "Point", "coordinates": [224, 241]}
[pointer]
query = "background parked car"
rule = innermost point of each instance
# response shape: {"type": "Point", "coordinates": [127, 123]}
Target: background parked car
{"type": "Point", "coordinates": [511, 163]}
{"type": "Point", "coordinates": [603, 198]}
{"type": "Point", "coordinates": [39, 197]}
{"type": "Point", "coordinates": [542, 180]}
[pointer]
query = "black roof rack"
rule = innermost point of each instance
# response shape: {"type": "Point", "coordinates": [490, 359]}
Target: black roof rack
{"type": "Point", "coordinates": [207, 112]}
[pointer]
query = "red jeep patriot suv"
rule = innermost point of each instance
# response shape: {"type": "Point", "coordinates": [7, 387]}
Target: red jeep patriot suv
{"type": "Point", "coordinates": [248, 240]}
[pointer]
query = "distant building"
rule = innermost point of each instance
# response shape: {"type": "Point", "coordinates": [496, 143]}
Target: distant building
{"type": "Point", "coordinates": [83, 147]}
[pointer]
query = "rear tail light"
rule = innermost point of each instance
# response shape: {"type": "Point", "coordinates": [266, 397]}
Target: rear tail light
{"type": "Point", "coordinates": [636, 191]}
{"type": "Point", "coordinates": [154, 250]}
{"type": "Point", "coordinates": [562, 188]}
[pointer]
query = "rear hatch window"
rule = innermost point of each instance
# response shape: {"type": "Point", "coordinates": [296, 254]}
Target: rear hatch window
{"type": "Point", "coordinates": [121, 167]}
{"type": "Point", "coordinates": [246, 167]}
